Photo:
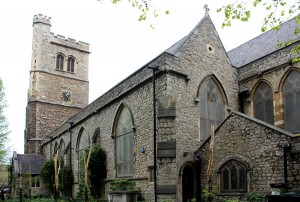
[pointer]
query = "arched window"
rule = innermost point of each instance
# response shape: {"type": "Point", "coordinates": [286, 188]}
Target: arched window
{"type": "Point", "coordinates": [124, 137]}
{"type": "Point", "coordinates": [55, 149]}
{"type": "Point", "coordinates": [211, 107]}
{"type": "Point", "coordinates": [59, 62]}
{"type": "Point", "coordinates": [233, 177]}
{"type": "Point", "coordinates": [263, 103]}
{"type": "Point", "coordinates": [70, 66]}
{"type": "Point", "coordinates": [82, 144]}
{"type": "Point", "coordinates": [291, 102]}
{"type": "Point", "coordinates": [62, 151]}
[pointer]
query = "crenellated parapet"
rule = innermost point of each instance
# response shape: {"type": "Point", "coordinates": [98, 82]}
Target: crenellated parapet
{"type": "Point", "coordinates": [41, 19]}
{"type": "Point", "coordinates": [69, 42]}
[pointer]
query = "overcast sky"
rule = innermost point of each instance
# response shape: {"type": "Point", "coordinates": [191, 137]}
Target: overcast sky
{"type": "Point", "coordinates": [119, 43]}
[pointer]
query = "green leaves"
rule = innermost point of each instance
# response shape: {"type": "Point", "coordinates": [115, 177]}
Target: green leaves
{"type": "Point", "coordinates": [276, 12]}
{"type": "Point", "coordinates": [4, 131]}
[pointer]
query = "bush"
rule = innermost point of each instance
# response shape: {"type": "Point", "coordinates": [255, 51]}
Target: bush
{"type": "Point", "coordinates": [97, 170]}
{"type": "Point", "coordinates": [65, 179]}
{"type": "Point", "coordinates": [123, 185]}
{"type": "Point", "coordinates": [250, 197]}
{"type": "Point", "coordinates": [47, 175]}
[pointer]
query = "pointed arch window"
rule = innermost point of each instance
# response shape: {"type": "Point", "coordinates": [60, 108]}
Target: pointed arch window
{"type": "Point", "coordinates": [263, 103]}
{"type": "Point", "coordinates": [211, 107]}
{"type": "Point", "coordinates": [70, 65]}
{"type": "Point", "coordinates": [233, 177]}
{"type": "Point", "coordinates": [82, 144]}
{"type": "Point", "coordinates": [59, 62]}
{"type": "Point", "coordinates": [291, 102]}
{"type": "Point", "coordinates": [124, 140]}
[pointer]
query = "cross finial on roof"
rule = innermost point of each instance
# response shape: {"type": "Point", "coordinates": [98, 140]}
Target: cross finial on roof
{"type": "Point", "coordinates": [206, 8]}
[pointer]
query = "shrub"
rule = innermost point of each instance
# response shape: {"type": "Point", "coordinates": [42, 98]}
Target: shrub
{"type": "Point", "coordinates": [47, 175]}
{"type": "Point", "coordinates": [123, 185]}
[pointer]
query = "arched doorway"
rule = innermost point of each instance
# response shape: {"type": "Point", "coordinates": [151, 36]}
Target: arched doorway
{"type": "Point", "coordinates": [189, 183]}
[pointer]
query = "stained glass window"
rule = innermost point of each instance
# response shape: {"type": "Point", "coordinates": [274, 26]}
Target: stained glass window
{"type": "Point", "coordinates": [233, 177]}
{"type": "Point", "coordinates": [124, 143]}
{"type": "Point", "coordinates": [291, 102]}
{"type": "Point", "coordinates": [263, 103]}
{"type": "Point", "coordinates": [211, 107]}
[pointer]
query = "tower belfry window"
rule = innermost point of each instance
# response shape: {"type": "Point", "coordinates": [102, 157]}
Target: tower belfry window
{"type": "Point", "coordinates": [70, 67]}
{"type": "Point", "coordinates": [59, 62]}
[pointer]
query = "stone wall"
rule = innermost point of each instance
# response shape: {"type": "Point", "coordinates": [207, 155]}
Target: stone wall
{"type": "Point", "coordinates": [257, 145]}
{"type": "Point", "coordinates": [178, 80]}
{"type": "Point", "coordinates": [272, 70]}
{"type": "Point", "coordinates": [47, 109]}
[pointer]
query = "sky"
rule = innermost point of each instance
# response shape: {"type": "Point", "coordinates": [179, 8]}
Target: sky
{"type": "Point", "coordinates": [119, 43]}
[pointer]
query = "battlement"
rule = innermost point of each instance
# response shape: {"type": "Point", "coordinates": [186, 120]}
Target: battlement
{"type": "Point", "coordinates": [59, 39]}
{"type": "Point", "coordinates": [43, 19]}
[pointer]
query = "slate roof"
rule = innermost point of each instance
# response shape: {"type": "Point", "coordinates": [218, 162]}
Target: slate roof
{"type": "Point", "coordinates": [175, 47]}
{"type": "Point", "coordinates": [30, 163]}
{"type": "Point", "coordinates": [263, 44]}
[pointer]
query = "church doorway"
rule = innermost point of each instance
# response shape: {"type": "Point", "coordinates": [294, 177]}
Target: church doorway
{"type": "Point", "coordinates": [189, 183]}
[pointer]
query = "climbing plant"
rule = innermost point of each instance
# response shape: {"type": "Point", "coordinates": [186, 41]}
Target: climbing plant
{"type": "Point", "coordinates": [47, 175]}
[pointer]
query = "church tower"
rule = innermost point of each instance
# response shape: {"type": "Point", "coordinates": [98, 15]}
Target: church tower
{"type": "Point", "coordinates": [58, 86]}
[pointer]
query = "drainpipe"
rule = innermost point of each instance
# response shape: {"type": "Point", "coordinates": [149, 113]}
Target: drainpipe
{"type": "Point", "coordinates": [70, 129]}
{"type": "Point", "coordinates": [154, 69]}
{"type": "Point", "coordinates": [286, 147]}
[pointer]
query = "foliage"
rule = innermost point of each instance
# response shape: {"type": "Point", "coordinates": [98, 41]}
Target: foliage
{"type": "Point", "coordinates": [250, 197]}
{"type": "Point", "coordinates": [47, 175]}
{"type": "Point", "coordinates": [276, 13]}
{"type": "Point", "coordinates": [3, 125]}
{"type": "Point", "coordinates": [65, 178]}
{"type": "Point", "coordinates": [123, 185]}
{"type": "Point", "coordinates": [82, 191]}
{"type": "Point", "coordinates": [231, 200]}
{"type": "Point", "coordinates": [208, 195]}
{"type": "Point", "coordinates": [97, 170]}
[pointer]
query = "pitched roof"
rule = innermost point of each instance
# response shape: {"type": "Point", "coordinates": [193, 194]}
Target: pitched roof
{"type": "Point", "coordinates": [174, 48]}
{"type": "Point", "coordinates": [263, 44]}
{"type": "Point", "coordinates": [251, 119]}
{"type": "Point", "coordinates": [30, 163]}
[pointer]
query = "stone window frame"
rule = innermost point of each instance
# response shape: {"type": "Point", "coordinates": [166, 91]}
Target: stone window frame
{"type": "Point", "coordinates": [239, 164]}
{"type": "Point", "coordinates": [82, 132]}
{"type": "Point", "coordinates": [60, 66]}
{"type": "Point", "coordinates": [198, 100]}
{"type": "Point", "coordinates": [55, 149]}
{"type": "Point", "coordinates": [116, 139]}
{"type": "Point", "coordinates": [72, 68]}
{"type": "Point", "coordinates": [254, 91]}
{"type": "Point", "coordinates": [62, 154]}
{"type": "Point", "coordinates": [284, 109]}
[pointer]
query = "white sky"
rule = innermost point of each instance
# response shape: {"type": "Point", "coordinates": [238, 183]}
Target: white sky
{"type": "Point", "coordinates": [119, 43]}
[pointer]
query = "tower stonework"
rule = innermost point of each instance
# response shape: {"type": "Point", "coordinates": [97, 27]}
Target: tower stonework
{"type": "Point", "coordinates": [58, 86]}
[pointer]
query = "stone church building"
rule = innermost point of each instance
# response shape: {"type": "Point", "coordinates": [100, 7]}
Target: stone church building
{"type": "Point", "coordinates": [250, 94]}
